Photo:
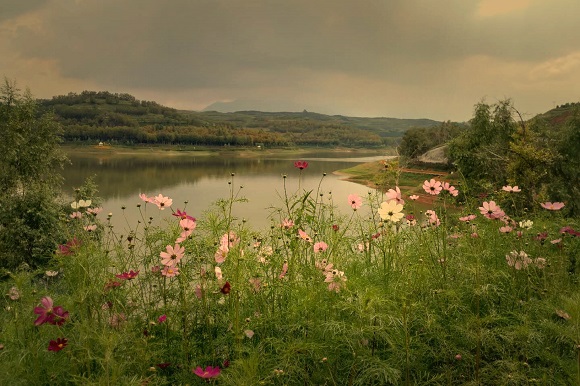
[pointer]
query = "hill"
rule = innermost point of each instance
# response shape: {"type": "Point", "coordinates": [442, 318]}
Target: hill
{"type": "Point", "coordinates": [104, 116]}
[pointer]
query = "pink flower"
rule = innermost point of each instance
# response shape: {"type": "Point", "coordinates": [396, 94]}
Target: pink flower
{"type": "Point", "coordinates": [354, 201]}
{"type": "Point", "coordinates": [320, 246]}
{"type": "Point", "coordinates": [162, 201]}
{"type": "Point", "coordinates": [432, 187]}
{"type": "Point", "coordinates": [74, 215]}
{"type": "Point", "coordinates": [451, 189]}
{"type": "Point", "coordinates": [508, 188]}
{"type": "Point", "coordinates": [336, 280]}
{"type": "Point", "coordinates": [183, 215]}
{"type": "Point", "coordinates": [57, 345]}
{"type": "Point", "coordinates": [128, 275]}
{"type": "Point", "coordinates": [170, 271]}
{"type": "Point", "coordinates": [432, 217]}
{"type": "Point", "coordinates": [467, 218]}
{"type": "Point", "coordinates": [229, 240]}
{"type": "Point", "coordinates": [209, 372]}
{"type": "Point", "coordinates": [304, 236]}
{"type": "Point", "coordinates": [505, 229]}
{"type": "Point", "coordinates": [301, 164]}
{"type": "Point", "coordinates": [50, 314]}
{"type": "Point", "coordinates": [90, 228]}
{"type": "Point", "coordinates": [188, 224]}
{"type": "Point", "coordinates": [117, 320]}
{"type": "Point", "coordinates": [287, 223]}
{"type": "Point", "coordinates": [552, 206]}
{"type": "Point", "coordinates": [172, 255]}
{"type": "Point", "coordinates": [69, 248]}
{"type": "Point", "coordinates": [395, 195]}
{"type": "Point", "coordinates": [221, 254]}
{"type": "Point", "coordinates": [491, 210]}
{"type": "Point", "coordinates": [162, 319]}
{"type": "Point", "coordinates": [284, 270]}
{"type": "Point", "coordinates": [94, 211]}
{"type": "Point", "coordinates": [414, 197]}
{"type": "Point", "coordinates": [144, 197]}
{"type": "Point", "coordinates": [518, 260]}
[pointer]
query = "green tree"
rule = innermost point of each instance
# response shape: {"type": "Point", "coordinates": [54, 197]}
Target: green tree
{"type": "Point", "coordinates": [30, 181]}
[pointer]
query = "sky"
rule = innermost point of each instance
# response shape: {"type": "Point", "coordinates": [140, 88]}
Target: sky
{"type": "Point", "coordinates": [371, 58]}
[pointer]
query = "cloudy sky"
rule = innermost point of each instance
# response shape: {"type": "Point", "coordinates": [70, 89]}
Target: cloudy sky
{"type": "Point", "coordinates": [389, 58]}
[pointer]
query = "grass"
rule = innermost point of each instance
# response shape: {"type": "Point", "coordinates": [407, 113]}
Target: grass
{"type": "Point", "coordinates": [406, 303]}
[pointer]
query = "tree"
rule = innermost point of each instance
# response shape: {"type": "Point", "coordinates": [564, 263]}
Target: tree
{"type": "Point", "coordinates": [30, 182]}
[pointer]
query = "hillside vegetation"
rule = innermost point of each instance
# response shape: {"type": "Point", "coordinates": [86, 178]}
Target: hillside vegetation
{"type": "Point", "coordinates": [121, 118]}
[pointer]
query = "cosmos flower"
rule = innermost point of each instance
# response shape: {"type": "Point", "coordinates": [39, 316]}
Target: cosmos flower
{"type": "Point", "coordinates": [209, 372]}
{"type": "Point", "coordinates": [48, 313]}
{"type": "Point", "coordinates": [414, 197]}
{"type": "Point", "coordinates": [355, 201]}
{"type": "Point", "coordinates": [301, 165]}
{"type": "Point", "coordinates": [432, 187]}
{"type": "Point", "coordinates": [391, 211]}
{"type": "Point", "coordinates": [491, 210]}
{"type": "Point", "coordinates": [162, 201]}
{"type": "Point", "coordinates": [183, 215]}
{"type": "Point", "coordinates": [128, 275]}
{"type": "Point", "coordinates": [395, 194]}
{"type": "Point", "coordinates": [287, 223]}
{"type": "Point", "coordinates": [552, 205]}
{"type": "Point", "coordinates": [57, 345]}
{"type": "Point", "coordinates": [170, 271]}
{"type": "Point", "coordinates": [80, 204]}
{"type": "Point", "coordinates": [509, 188]}
{"type": "Point", "coordinates": [469, 217]}
{"type": "Point", "coordinates": [450, 188]}
{"type": "Point", "coordinates": [172, 255]}
{"type": "Point", "coordinates": [304, 236]}
{"type": "Point", "coordinates": [320, 246]}
{"type": "Point", "coordinates": [518, 260]}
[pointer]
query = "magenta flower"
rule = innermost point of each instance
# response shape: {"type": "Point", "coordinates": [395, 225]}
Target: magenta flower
{"type": "Point", "coordinates": [354, 201]}
{"type": "Point", "coordinates": [301, 165]}
{"type": "Point", "coordinates": [209, 372]}
{"type": "Point", "coordinates": [509, 188]}
{"type": "Point", "coordinates": [68, 248]}
{"type": "Point", "coordinates": [552, 205]}
{"type": "Point", "coordinates": [395, 194]}
{"type": "Point", "coordinates": [128, 275]}
{"type": "Point", "coordinates": [162, 319]}
{"type": "Point", "coordinates": [47, 313]}
{"type": "Point", "coordinates": [57, 345]}
{"type": "Point", "coordinates": [432, 187]}
{"type": "Point", "coordinates": [183, 215]}
{"type": "Point", "coordinates": [172, 255]}
{"type": "Point", "coordinates": [320, 246]}
{"type": "Point", "coordinates": [491, 210]}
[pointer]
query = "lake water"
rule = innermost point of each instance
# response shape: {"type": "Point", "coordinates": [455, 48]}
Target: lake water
{"type": "Point", "coordinates": [202, 178]}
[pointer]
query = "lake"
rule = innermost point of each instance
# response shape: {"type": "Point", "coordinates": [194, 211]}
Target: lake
{"type": "Point", "coordinates": [201, 178]}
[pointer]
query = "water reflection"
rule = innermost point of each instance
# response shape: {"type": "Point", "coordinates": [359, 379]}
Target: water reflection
{"type": "Point", "coordinates": [201, 180]}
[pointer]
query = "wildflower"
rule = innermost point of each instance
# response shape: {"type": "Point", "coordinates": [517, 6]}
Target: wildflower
{"type": "Point", "coordinates": [229, 239]}
{"type": "Point", "coordinates": [51, 273]}
{"type": "Point", "coordinates": [209, 372]}
{"type": "Point", "coordinates": [80, 204]}
{"type": "Point", "coordinates": [256, 284]}
{"type": "Point", "coordinates": [526, 224]}
{"type": "Point", "coordinates": [128, 275]}
{"type": "Point", "coordinates": [68, 248]}
{"type": "Point", "coordinates": [563, 314]}
{"type": "Point", "coordinates": [163, 365]}
{"type": "Point", "coordinates": [183, 215]}
{"type": "Point", "coordinates": [509, 188]}
{"type": "Point", "coordinates": [162, 319]}
{"type": "Point", "coordinates": [320, 246]}
{"type": "Point", "coordinates": [143, 197]}
{"type": "Point", "coordinates": [47, 313]}
{"type": "Point", "coordinates": [450, 188]}
{"type": "Point", "coordinates": [335, 227]}
{"type": "Point", "coordinates": [552, 205]}
{"type": "Point", "coordinates": [249, 333]}
{"type": "Point", "coordinates": [541, 237]}
{"type": "Point", "coordinates": [410, 220]}
{"type": "Point", "coordinates": [518, 260]}
{"type": "Point", "coordinates": [57, 345]}
{"type": "Point", "coordinates": [221, 254]}
{"type": "Point", "coordinates": [112, 284]}
{"type": "Point", "coordinates": [301, 165]}
{"type": "Point", "coordinates": [74, 215]}
{"type": "Point", "coordinates": [227, 287]}
{"type": "Point", "coordinates": [170, 271]}
{"type": "Point", "coordinates": [569, 230]}
{"type": "Point", "coordinates": [172, 255]}
{"type": "Point", "coordinates": [391, 211]}
{"type": "Point", "coordinates": [13, 293]}
{"type": "Point", "coordinates": [491, 210]}
{"type": "Point", "coordinates": [94, 211]}
{"type": "Point", "coordinates": [505, 229]}
{"type": "Point", "coordinates": [414, 197]}
{"type": "Point", "coordinates": [162, 202]}
{"type": "Point", "coordinates": [117, 320]}
{"type": "Point", "coordinates": [218, 273]}
{"type": "Point", "coordinates": [540, 262]}
{"type": "Point", "coordinates": [336, 280]}
{"type": "Point", "coordinates": [432, 187]}
{"type": "Point", "coordinates": [556, 241]}
{"type": "Point", "coordinates": [355, 201]}
{"type": "Point", "coordinates": [395, 194]}
{"type": "Point", "coordinates": [284, 270]}
{"type": "Point", "coordinates": [198, 291]}
{"type": "Point", "coordinates": [90, 228]}
{"type": "Point", "coordinates": [432, 218]}
{"type": "Point", "coordinates": [469, 217]}
{"type": "Point", "coordinates": [287, 223]}
{"type": "Point", "coordinates": [304, 236]}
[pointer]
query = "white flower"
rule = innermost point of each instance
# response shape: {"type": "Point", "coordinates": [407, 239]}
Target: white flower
{"type": "Point", "coordinates": [526, 224]}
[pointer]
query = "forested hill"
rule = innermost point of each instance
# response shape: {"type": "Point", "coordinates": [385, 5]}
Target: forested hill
{"type": "Point", "coordinates": [121, 118]}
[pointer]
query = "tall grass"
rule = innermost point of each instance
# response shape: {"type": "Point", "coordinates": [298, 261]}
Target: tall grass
{"type": "Point", "coordinates": [409, 303]}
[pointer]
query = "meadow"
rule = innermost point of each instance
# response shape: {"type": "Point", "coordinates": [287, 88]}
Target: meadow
{"type": "Point", "coordinates": [473, 291]}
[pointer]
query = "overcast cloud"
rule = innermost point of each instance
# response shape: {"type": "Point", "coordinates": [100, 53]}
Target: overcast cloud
{"type": "Point", "coordinates": [395, 58]}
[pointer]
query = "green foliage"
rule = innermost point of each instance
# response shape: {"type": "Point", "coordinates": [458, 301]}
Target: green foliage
{"type": "Point", "coordinates": [29, 180]}
{"type": "Point", "coordinates": [418, 140]}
